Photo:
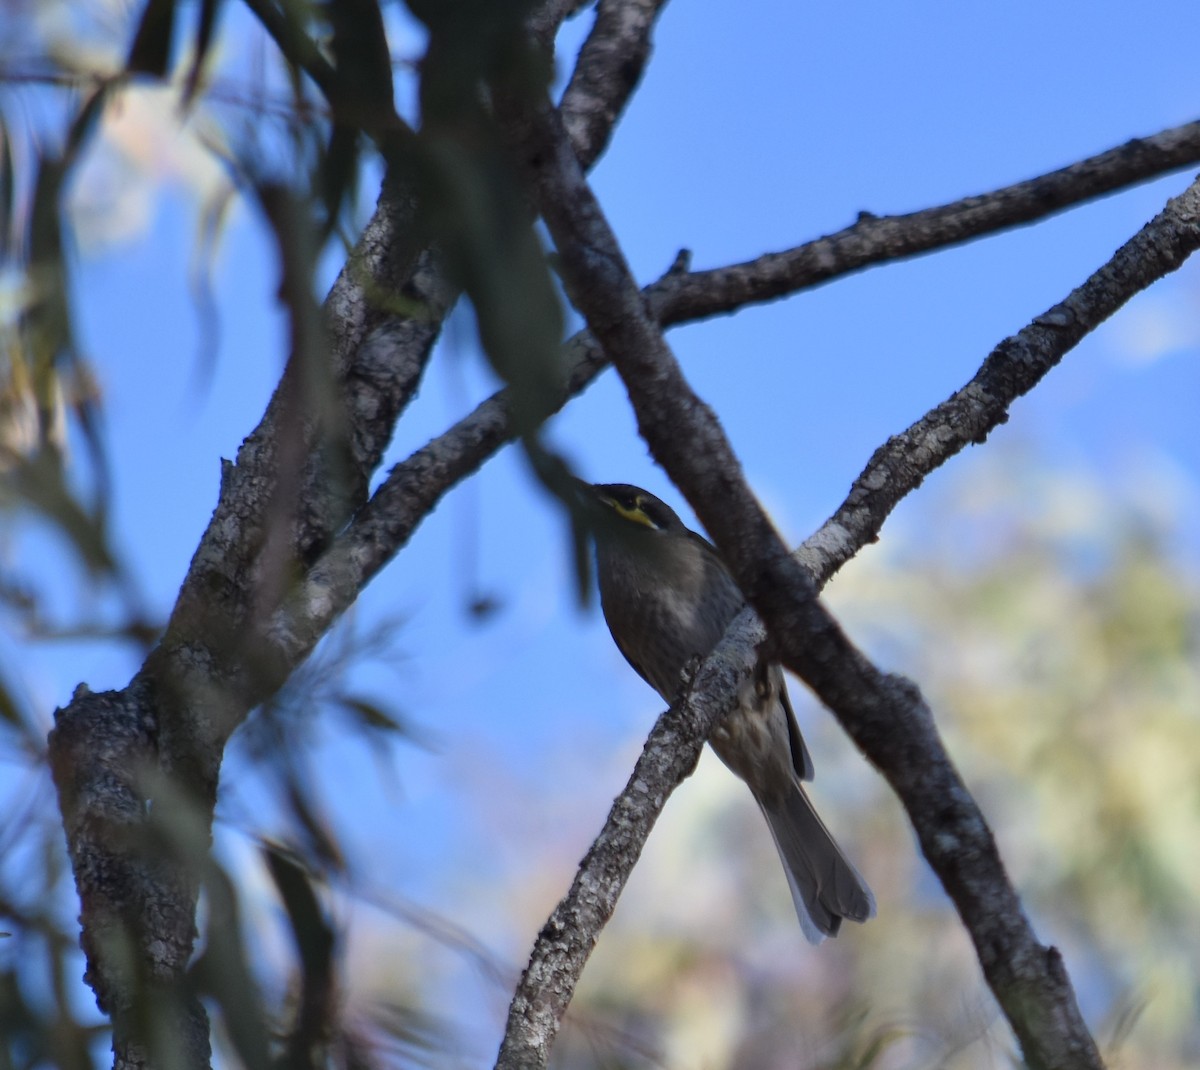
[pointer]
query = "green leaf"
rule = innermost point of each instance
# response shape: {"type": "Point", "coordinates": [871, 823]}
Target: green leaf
{"type": "Point", "coordinates": [8, 707]}
{"type": "Point", "coordinates": [365, 95]}
{"type": "Point", "coordinates": [321, 840]}
{"type": "Point", "coordinates": [370, 714]}
{"type": "Point", "coordinates": [314, 943]}
{"type": "Point", "coordinates": [223, 974]}
{"type": "Point", "coordinates": [7, 190]}
{"type": "Point", "coordinates": [39, 482]}
{"type": "Point", "coordinates": [314, 937]}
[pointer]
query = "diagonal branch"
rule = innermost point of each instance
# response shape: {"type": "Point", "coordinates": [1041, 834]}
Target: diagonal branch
{"type": "Point", "coordinates": [607, 72]}
{"type": "Point", "coordinates": [881, 239]}
{"type": "Point", "coordinates": [1011, 370]}
{"type": "Point", "coordinates": [566, 940]}
{"type": "Point", "coordinates": [886, 715]}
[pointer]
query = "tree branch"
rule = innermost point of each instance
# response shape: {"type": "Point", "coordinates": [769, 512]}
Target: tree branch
{"type": "Point", "coordinates": [213, 665]}
{"type": "Point", "coordinates": [669, 756]}
{"type": "Point", "coordinates": [886, 715]}
{"type": "Point", "coordinates": [137, 903]}
{"type": "Point", "coordinates": [162, 738]}
{"type": "Point", "coordinates": [1011, 370]}
{"type": "Point", "coordinates": [881, 239]}
{"type": "Point", "coordinates": [608, 70]}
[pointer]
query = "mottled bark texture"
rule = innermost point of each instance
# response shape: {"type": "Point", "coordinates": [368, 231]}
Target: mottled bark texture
{"type": "Point", "coordinates": [137, 896]}
{"type": "Point", "coordinates": [885, 714]}
{"type": "Point", "coordinates": [609, 69]}
{"type": "Point", "coordinates": [157, 745]}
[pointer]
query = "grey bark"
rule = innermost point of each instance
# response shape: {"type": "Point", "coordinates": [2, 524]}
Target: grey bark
{"type": "Point", "coordinates": [155, 748]}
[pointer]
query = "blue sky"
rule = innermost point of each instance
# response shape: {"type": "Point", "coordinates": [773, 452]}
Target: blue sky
{"type": "Point", "coordinates": [756, 128]}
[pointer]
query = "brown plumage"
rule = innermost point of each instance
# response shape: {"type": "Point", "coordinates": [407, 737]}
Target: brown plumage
{"type": "Point", "coordinates": [668, 597]}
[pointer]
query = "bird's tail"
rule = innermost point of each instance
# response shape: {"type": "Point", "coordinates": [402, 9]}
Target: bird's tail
{"type": "Point", "coordinates": [825, 887]}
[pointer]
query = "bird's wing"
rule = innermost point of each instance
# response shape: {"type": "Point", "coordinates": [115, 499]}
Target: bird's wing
{"type": "Point", "coordinates": [801, 759]}
{"type": "Point", "coordinates": [624, 649]}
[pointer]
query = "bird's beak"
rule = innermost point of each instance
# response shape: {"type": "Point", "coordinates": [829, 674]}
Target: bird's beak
{"type": "Point", "coordinates": [589, 499]}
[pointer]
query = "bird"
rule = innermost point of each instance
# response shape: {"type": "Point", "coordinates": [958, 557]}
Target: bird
{"type": "Point", "coordinates": [667, 597]}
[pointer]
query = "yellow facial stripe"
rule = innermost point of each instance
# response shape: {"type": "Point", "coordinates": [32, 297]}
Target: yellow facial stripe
{"type": "Point", "coordinates": [634, 513]}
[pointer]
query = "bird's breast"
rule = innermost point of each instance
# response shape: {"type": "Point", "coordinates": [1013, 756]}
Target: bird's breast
{"type": "Point", "coordinates": [664, 609]}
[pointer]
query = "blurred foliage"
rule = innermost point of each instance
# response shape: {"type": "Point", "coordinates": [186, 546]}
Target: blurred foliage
{"type": "Point", "coordinates": [102, 105]}
{"type": "Point", "coordinates": [77, 165]}
{"type": "Point", "coordinates": [103, 102]}
{"type": "Point", "coordinates": [1050, 621]}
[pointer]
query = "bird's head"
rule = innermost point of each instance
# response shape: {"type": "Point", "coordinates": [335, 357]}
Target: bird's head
{"type": "Point", "coordinates": [633, 508]}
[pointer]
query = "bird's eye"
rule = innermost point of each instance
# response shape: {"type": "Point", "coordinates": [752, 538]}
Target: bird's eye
{"type": "Point", "coordinates": [635, 511]}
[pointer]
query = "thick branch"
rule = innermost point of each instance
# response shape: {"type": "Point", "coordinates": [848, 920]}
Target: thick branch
{"type": "Point", "coordinates": [205, 674]}
{"type": "Point", "coordinates": [137, 901]}
{"type": "Point", "coordinates": [303, 471]}
{"type": "Point", "coordinates": [884, 714]}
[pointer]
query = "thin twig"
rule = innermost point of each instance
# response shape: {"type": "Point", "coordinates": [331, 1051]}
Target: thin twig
{"type": "Point", "coordinates": [1011, 370]}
